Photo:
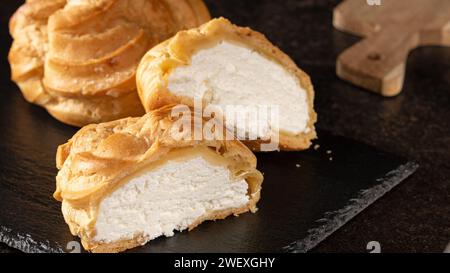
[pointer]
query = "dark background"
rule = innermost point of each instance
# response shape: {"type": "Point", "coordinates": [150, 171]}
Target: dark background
{"type": "Point", "coordinates": [415, 216]}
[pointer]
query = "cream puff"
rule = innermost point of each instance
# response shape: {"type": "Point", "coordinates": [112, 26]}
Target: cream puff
{"type": "Point", "coordinates": [221, 65]}
{"type": "Point", "coordinates": [126, 182]}
{"type": "Point", "coordinates": [78, 58]}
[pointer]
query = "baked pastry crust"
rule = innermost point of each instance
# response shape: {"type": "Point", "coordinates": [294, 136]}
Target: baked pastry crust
{"type": "Point", "coordinates": [78, 59]}
{"type": "Point", "coordinates": [152, 74]}
{"type": "Point", "coordinates": [101, 158]}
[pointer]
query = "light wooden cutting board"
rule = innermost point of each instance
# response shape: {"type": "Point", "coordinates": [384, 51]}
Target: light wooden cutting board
{"type": "Point", "coordinates": [391, 29]}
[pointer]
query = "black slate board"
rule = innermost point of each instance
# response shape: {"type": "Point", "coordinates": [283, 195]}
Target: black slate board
{"type": "Point", "coordinates": [300, 206]}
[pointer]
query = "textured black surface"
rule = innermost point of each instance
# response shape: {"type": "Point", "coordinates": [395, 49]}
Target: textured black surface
{"type": "Point", "coordinates": [413, 217]}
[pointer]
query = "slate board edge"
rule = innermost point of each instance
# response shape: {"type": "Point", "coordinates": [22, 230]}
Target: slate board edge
{"type": "Point", "coordinates": [26, 243]}
{"type": "Point", "coordinates": [336, 219]}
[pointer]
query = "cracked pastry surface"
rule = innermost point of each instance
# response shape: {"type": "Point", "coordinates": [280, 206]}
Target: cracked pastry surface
{"type": "Point", "coordinates": [220, 64]}
{"type": "Point", "coordinates": [78, 58]}
{"type": "Point", "coordinates": [125, 182]}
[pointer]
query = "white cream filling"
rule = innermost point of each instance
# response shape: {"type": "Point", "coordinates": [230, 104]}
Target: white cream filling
{"type": "Point", "coordinates": [228, 74]}
{"type": "Point", "coordinates": [77, 2]}
{"type": "Point", "coordinates": [168, 198]}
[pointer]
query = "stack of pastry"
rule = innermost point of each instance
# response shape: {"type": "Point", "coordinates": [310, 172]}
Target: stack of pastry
{"type": "Point", "coordinates": [128, 181]}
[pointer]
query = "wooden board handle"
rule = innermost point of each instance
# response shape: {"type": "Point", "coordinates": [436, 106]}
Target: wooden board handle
{"type": "Point", "coordinates": [378, 62]}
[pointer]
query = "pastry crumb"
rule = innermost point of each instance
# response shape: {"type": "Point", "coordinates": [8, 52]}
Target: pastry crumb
{"type": "Point", "coordinates": [329, 151]}
{"type": "Point", "coordinates": [331, 158]}
{"type": "Point", "coordinates": [297, 165]}
{"type": "Point", "coordinates": [316, 147]}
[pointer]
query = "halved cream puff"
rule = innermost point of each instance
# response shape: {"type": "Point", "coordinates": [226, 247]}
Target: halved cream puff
{"type": "Point", "coordinates": [126, 182]}
{"type": "Point", "coordinates": [222, 65]}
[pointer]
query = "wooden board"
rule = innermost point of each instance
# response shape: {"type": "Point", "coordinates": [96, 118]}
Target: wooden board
{"type": "Point", "coordinates": [391, 30]}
